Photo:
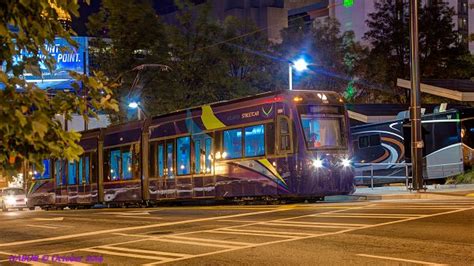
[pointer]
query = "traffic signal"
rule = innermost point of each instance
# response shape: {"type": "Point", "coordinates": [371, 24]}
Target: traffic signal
{"type": "Point", "coordinates": [347, 3]}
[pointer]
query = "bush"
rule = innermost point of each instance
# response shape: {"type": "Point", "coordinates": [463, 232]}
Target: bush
{"type": "Point", "coordinates": [465, 178]}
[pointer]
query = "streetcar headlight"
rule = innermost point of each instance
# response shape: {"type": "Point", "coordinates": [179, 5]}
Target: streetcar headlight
{"type": "Point", "coordinates": [317, 163]}
{"type": "Point", "coordinates": [10, 200]}
{"type": "Point", "coordinates": [346, 162]}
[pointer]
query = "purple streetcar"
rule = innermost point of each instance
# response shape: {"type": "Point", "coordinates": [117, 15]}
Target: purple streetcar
{"type": "Point", "coordinates": [276, 145]}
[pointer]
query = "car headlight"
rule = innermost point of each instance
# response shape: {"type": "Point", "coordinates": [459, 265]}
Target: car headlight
{"type": "Point", "coordinates": [346, 162]}
{"type": "Point", "coordinates": [317, 163]}
{"type": "Point", "coordinates": [10, 200]}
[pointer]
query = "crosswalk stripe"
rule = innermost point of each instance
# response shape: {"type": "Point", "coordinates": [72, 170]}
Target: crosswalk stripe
{"type": "Point", "coordinates": [191, 243]}
{"type": "Point", "coordinates": [365, 217]}
{"type": "Point", "coordinates": [308, 225]}
{"type": "Point", "coordinates": [223, 231]}
{"type": "Point", "coordinates": [269, 232]}
{"type": "Point", "coordinates": [42, 226]}
{"type": "Point", "coordinates": [210, 240]}
{"type": "Point", "coordinates": [321, 223]}
{"type": "Point", "coordinates": [122, 254]}
{"type": "Point", "coordinates": [399, 259]}
{"type": "Point", "coordinates": [153, 252]}
{"type": "Point", "coordinates": [382, 214]}
{"type": "Point", "coordinates": [139, 217]}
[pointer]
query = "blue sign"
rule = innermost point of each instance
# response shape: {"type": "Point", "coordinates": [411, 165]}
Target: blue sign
{"type": "Point", "coordinates": [68, 58]}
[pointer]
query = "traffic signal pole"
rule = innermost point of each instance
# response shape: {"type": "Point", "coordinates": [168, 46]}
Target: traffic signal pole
{"type": "Point", "coordinates": [415, 108]}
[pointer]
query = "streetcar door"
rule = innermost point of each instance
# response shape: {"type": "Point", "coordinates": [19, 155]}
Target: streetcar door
{"type": "Point", "coordinates": [84, 184]}
{"type": "Point", "coordinates": [60, 182]}
{"type": "Point", "coordinates": [169, 190]}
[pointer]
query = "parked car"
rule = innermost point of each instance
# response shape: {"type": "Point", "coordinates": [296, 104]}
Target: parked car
{"type": "Point", "coordinates": [13, 198]}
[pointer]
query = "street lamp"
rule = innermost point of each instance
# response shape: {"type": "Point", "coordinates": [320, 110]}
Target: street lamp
{"type": "Point", "coordinates": [136, 105]}
{"type": "Point", "coordinates": [299, 65]}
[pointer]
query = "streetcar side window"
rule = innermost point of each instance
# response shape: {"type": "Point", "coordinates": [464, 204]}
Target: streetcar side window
{"type": "Point", "coordinates": [198, 154]}
{"type": "Point", "coordinates": [60, 172]}
{"type": "Point", "coordinates": [46, 174]}
{"type": "Point", "coordinates": [72, 173]}
{"type": "Point", "coordinates": [170, 159]}
{"type": "Point", "coordinates": [233, 143]}
{"type": "Point", "coordinates": [80, 168]}
{"type": "Point", "coordinates": [124, 163]}
{"type": "Point", "coordinates": [183, 155]}
{"type": "Point", "coordinates": [115, 164]}
{"type": "Point", "coordinates": [285, 134]}
{"type": "Point", "coordinates": [208, 150]}
{"type": "Point", "coordinates": [161, 160]}
{"type": "Point", "coordinates": [127, 165]}
{"type": "Point", "coordinates": [87, 170]}
{"type": "Point", "coordinates": [254, 141]}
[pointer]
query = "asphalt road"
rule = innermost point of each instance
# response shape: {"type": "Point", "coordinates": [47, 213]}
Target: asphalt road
{"type": "Point", "coordinates": [404, 232]}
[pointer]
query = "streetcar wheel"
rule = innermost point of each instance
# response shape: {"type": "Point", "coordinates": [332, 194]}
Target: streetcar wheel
{"type": "Point", "coordinates": [31, 208]}
{"type": "Point", "coordinates": [20, 209]}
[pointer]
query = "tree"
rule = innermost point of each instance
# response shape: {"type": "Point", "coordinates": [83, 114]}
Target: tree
{"type": "Point", "coordinates": [29, 128]}
{"type": "Point", "coordinates": [389, 40]}
{"type": "Point", "coordinates": [335, 55]}
{"type": "Point", "coordinates": [129, 34]}
{"type": "Point", "coordinates": [442, 55]}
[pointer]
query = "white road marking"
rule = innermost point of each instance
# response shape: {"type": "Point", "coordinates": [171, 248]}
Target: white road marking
{"type": "Point", "coordinates": [210, 240]}
{"type": "Point", "coordinates": [224, 231]}
{"type": "Point", "coordinates": [134, 235]}
{"type": "Point", "coordinates": [109, 231]}
{"type": "Point", "coordinates": [362, 216]}
{"type": "Point", "coordinates": [128, 213]}
{"type": "Point", "coordinates": [271, 233]}
{"type": "Point", "coordinates": [238, 221]}
{"type": "Point", "coordinates": [308, 225]}
{"type": "Point", "coordinates": [140, 217]}
{"type": "Point", "coordinates": [42, 226]}
{"type": "Point", "coordinates": [399, 259]}
{"type": "Point", "coordinates": [315, 236]}
{"type": "Point", "coordinates": [132, 250]}
{"type": "Point", "coordinates": [166, 239]}
{"type": "Point", "coordinates": [321, 223]}
{"type": "Point", "coordinates": [137, 256]}
{"type": "Point", "coordinates": [49, 219]}
{"type": "Point", "coordinates": [382, 214]}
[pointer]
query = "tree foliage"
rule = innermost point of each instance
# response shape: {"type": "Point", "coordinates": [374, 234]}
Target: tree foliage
{"type": "Point", "coordinates": [29, 125]}
{"type": "Point", "coordinates": [442, 55]}
{"type": "Point", "coordinates": [334, 55]}
{"type": "Point", "coordinates": [202, 70]}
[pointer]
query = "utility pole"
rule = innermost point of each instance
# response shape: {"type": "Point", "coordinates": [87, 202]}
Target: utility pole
{"type": "Point", "coordinates": [415, 108]}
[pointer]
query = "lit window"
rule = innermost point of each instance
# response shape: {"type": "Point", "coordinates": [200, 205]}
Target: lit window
{"type": "Point", "coordinates": [183, 155]}
{"type": "Point", "coordinates": [208, 150]}
{"type": "Point", "coordinates": [161, 160]}
{"type": "Point", "coordinates": [169, 157]}
{"type": "Point", "coordinates": [233, 143]}
{"type": "Point", "coordinates": [255, 141]}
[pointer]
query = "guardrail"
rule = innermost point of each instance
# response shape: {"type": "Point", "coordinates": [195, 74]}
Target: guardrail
{"type": "Point", "coordinates": [446, 170]}
{"type": "Point", "coordinates": [380, 165]}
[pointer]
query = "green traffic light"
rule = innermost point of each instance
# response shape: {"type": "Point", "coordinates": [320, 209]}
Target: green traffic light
{"type": "Point", "coordinates": [347, 3]}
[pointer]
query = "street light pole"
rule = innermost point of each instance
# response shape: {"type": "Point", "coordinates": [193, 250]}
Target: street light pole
{"type": "Point", "coordinates": [290, 75]}
{"type": "Point", "coordinates": [415, 109]}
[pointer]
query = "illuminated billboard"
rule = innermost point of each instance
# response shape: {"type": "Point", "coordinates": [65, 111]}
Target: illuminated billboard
{"type": "Point", "coordinates": [68, 58]}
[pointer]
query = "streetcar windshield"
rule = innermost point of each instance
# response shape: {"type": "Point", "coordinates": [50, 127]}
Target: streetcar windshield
{"type": "Point", "coordinates": [322, 132]}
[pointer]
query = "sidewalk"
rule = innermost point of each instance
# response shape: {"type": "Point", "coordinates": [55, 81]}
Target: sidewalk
{"type": "Point", "coordinates": [432, 192]}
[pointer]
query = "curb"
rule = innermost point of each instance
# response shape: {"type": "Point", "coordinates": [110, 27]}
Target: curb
{"type": "Point", "coordinates": [412, 196]}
